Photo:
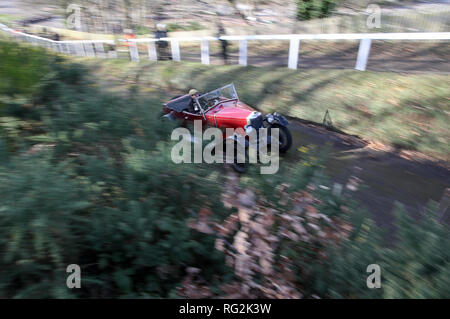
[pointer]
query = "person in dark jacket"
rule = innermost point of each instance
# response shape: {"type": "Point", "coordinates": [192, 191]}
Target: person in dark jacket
{"type": "Point", "coordinates": [161, 46]}
{"type": "Point", "coordinates": [223, 43]}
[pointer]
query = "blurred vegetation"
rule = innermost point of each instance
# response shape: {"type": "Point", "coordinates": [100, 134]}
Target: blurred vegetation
{"type": "Point", "coordinates": [416, 266]}
{"type": "Point", "coordinates": [190, 26]}
{"type": "Point", "coordinates": [415, 263]}
{"type": "Point", "coordinates": [86, 178]}
{"type": "Point", "coordinates": [98, 190]}
{"type": "Point", "coordinates": [312, 9]}
{"type": "Point", "coordinates": [141, 30]}
{"type": "Point", "coordinates": [22, 70]}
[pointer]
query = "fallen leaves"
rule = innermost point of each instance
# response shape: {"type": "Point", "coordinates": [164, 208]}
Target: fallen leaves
{"type": "Point", "coordinates": [253, 240]}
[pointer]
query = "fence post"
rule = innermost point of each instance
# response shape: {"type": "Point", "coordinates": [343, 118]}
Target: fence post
{"type": "Point", "coordinates": [112, 54]}
{"type": "Point", "coordinates": [152, 54]}
{"type": "Point", "coordinates": [89, 49]}
{"type": "Point", "coordinates": [79, 48]}
{"type": "Point", "coordinates": [62, 48]}
{"type": "Point", "coordinates": [69, 48]}
{"type": "Point", "coordinates": [134, 52]}
{"type": "Point", "coordinates": [99, 49]}
{"type": "Point", "coordinates": [294, 47]}
{"type": "Point", "coordinates": [175, 47]}
{"type": "Point", "coordinates": [72, 48]}
{"type": "Point", "coordinates": [363, 54]}
{"type": "Point", "coordinates": [205, 51]}
{"type": "Point", "coordinates": [243, 52]}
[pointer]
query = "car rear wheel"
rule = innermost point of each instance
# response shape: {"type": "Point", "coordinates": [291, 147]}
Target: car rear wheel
{"type": "Point", "coordinates": [240, 167]}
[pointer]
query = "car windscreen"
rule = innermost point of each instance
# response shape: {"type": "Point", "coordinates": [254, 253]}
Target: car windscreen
{"type": "Point", "coordinates": [210, 99]}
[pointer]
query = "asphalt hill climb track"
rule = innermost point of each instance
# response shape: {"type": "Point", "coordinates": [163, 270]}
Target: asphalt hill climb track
{"type": "Point", "coordinates": [386, 176]}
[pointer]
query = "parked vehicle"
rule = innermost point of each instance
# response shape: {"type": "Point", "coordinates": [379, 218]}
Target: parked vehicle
{"type": "Point", "coordinates": [222, 108]}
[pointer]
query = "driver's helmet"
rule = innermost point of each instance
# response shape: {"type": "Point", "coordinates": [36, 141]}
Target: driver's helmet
{"type": "Point", "coordinates": [192, 92]}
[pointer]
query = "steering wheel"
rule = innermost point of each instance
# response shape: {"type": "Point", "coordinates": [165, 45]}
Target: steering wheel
{"type": "Point", "coordinates": [213, 102]}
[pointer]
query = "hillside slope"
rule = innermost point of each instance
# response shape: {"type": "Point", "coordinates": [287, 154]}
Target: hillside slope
{"type": "Point", "coordinates": [409, 111]}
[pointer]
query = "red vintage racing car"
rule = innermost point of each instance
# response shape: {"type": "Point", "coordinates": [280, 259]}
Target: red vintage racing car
{"type": "Point", "coordinates": [222, 108]}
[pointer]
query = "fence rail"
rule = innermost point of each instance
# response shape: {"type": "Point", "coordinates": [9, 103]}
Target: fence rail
{"type": "Point", "coordinates": [95, 48]}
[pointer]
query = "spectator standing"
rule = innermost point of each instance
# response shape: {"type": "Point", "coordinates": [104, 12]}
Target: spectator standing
{"type": "Point", "coordinates": [223, 43]}
{"type": "Point", "coordinates": [162, 46]}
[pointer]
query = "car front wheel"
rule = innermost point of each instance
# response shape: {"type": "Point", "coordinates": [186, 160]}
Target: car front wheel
{"type": "Point", "coordinates": [285, 137]}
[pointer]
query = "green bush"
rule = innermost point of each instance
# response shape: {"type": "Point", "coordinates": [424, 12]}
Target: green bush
{"type": "Point", "coordinates": [418, 265]}
{"type": "Point", "coordinates": [415, 266]}
{"type": "Point", "coordinates": [125, 226]}
{"type": "Point", "coordinates": [313, 9]}
{"type": "Point", "coordinates": [41, 214]}
{"type": "Point", "coordinates": [22, 68]}
{"type": "Point", "coordinates": [190, 26]}
{"type": "Point", "coordinates": [141, 30]}
{"type": "Point", "coordinates": [121, 216]}
{"type": "Point", "coordinates": [106, 197]}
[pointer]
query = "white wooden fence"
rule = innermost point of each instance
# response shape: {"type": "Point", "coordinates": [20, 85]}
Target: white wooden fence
{"type": "Point", "coordinates": [294, 44]}
{"type": "Point", "coordinates": [90, 48]}
{"type": "Point", "coordinates": [96, 47]}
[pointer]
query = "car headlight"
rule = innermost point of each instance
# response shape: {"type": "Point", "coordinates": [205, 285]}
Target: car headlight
{"type": "Point", "coordinates": [254, 115]}
{"type": "Point", "coordinates": [255, 119]}
{"type": "Point", "coordinates": [248, 129]}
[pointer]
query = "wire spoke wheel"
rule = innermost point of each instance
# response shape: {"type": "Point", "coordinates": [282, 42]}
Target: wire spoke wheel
{"type": "Point", "coordinates": [284, 137]}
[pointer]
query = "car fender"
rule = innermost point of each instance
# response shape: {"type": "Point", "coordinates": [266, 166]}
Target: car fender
{"type": "Point", "coordinates": [280, 119]}
{"type": "Point", "coordinates": [170, 116]}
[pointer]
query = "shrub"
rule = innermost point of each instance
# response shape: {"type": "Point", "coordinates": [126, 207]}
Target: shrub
{"type": "Point", "coordinates": [40, 222]}
{"type": "Point", "coordinates": [124, 224]}
{"type": "Point", "coordinates": [22, 68]}
{"type": "Point", "coordinates": [312, 9]}
{"type": "Point", "coordinates": [418, 265]}
{"type": "Point", "coordinates": [190, 26]}
{"type": "Point", "coordinates": [106, 197]}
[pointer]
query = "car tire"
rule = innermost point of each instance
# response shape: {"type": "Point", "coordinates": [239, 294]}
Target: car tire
{"type": "Point", "coordinates": [241, 168]}
{"type": "Point", "coordinates": [285, 137]}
